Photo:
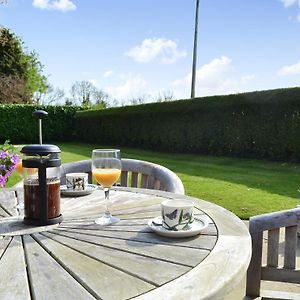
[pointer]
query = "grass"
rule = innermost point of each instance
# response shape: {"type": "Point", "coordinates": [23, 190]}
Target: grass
{"type": "Point", "coordinates": [245, 187]}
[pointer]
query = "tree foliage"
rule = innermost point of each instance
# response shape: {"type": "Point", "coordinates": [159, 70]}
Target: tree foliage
{"type": "Point", "coordinates": [19, 69]}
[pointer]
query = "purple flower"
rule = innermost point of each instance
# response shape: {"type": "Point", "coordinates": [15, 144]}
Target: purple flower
{"type": "Point", "coordinates": [3, 154]}
{"type": "Point", "coordinates": [2, 181]}
{"type": "Point", "coordinates": [8, 163]}
{"type": "Point", "coordinates": [15, 159]}
{"type": "Point", "coordinates": [8, 173]}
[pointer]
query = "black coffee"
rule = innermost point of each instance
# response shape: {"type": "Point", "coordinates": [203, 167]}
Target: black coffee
{"type": "Point", "coordinates": [32, 200]}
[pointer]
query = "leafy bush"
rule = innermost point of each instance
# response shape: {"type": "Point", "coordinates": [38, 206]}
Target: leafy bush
{"type": "Point", "coordinates": [19, 126]}
{"type": "Point", "coordinates": [262, 124]}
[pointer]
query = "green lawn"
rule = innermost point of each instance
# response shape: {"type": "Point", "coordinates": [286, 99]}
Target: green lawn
{"type": "Point", "coordinates": [245, 187]}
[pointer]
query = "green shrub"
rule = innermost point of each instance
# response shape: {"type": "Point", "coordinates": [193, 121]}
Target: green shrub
{"type": "Point", "coordinates": [19, 126]}
{"type": "Point", "coordinates": [262, 124]}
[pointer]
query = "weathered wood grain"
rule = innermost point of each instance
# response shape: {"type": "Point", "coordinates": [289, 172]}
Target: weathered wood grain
{"type": "Point", "coordinates": [185, 256]}
{"type": "Point", "coordinates": [96, 276]}
{"type": "Point", "coordinates": [280, 274]}
{"type": "Point", "coordinates": [290, 247]}
{"type": "Point", "coordinates": [134, 179]}
{"type": "Point", "coordinates": [273, 245]}
{"type": "Point", "coordinates": [8, 202]}
{"type": "Point", "coordinates": [149, 269]}
{"type": "Point", "coordinates": [204, 267]}
{"type": "Point", "coordinates": [3, 213]}
{"type": "Point", "coordinates": [199, 242]}
{"type": "Point", "coordinates": [273, 295]}
{"type": "Point", "coordinates": [14, 283]}
{"type": "Point", "coordinates": [12, 226]}
{"type": "Point", "coordinates": [4, 242]}
{"type": "Point", "coordinates": [48, 279]}
{"type": "Point", "coordinates": [288, 219]}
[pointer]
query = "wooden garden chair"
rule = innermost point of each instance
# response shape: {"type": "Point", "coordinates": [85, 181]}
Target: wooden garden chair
{"type": "Point", "coordinates": [289, 272]}
{"type": "Point", "coordinates": [135, 173]}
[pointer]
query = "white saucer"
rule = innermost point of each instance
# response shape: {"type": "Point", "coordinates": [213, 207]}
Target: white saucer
{"type": "Point", "coordinates": [76, 193]}
{"type": "Point", "coordinates": [195, 228]}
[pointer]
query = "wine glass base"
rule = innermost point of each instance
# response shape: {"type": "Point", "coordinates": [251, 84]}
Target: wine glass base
{"type": "Point", "coordinates": [107, 220]}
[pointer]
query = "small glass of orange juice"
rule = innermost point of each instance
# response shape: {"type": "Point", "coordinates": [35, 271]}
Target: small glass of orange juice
{"type": "Point", "coordinates": [106, 169]}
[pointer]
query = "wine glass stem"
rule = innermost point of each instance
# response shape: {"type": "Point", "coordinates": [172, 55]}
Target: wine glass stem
{"type": "Point", "coordinates": [107, 212]}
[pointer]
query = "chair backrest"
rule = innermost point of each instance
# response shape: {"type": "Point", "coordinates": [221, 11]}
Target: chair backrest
{"type": "Point", "coordinates": [288, 272]}
{"type": "Point", "coordinates": [135, 173]}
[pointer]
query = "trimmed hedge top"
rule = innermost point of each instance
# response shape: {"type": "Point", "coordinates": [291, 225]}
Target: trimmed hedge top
{"type": "Point", "coordinates": [262, 124]}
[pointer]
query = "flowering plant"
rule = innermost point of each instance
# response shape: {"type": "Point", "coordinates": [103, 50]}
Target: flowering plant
{"type": "Point", "coordinates": [8, 162]}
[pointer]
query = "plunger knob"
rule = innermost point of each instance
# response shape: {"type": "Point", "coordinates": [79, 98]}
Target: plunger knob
{"type": "Point", "coordinates": [40, 114]}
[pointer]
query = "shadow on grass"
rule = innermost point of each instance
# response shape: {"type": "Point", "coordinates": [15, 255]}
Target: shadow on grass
{"type": "Point", "coordinates": [272, 177]}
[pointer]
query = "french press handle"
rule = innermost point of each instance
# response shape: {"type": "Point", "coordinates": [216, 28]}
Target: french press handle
{"type": "Point", "coordinates": [40, 114]}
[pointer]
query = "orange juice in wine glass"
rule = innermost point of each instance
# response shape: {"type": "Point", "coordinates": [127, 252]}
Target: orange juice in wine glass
{"type": "Point", "coordinates": [106, 177]}
{"type": "Point", "coordinates": [19, 167]}
{"type": "Point", "coordinates": [106, 169]}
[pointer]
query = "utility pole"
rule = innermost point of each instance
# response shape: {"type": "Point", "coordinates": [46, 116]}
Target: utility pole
{"type": "Point", "coordinates": [194, 67]}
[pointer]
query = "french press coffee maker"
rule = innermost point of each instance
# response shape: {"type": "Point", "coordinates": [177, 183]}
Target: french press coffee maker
{"type": "Point", "coordinates": [41, 171]}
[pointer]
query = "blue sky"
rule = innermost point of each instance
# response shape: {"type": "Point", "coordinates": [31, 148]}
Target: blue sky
{"type": "Point", "coordinates": [133, 48]}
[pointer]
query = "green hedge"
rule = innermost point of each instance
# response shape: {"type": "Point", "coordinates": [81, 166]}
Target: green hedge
{"type": "Point", "coordinates": [19, 126]}
{"type": "Point", "coordinates": [262, 124]}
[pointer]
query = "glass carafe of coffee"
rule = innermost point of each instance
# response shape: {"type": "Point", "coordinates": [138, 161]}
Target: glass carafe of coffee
{"type": "Point", "coordinates": [41, 167]}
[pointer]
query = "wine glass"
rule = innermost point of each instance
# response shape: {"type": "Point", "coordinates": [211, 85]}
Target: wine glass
{"type": "Point", "coordinates": [106, 169]}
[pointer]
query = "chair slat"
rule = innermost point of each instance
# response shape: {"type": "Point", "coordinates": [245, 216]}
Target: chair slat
{"type": "Point", "coordinates": [156, 184]}
{"type": "Point", "coordinates": [280, 274]}
{"type": "Point", "coordinates": [151, 182]}
{"type": "Point", "coordinates": [124, 178]}
{"type": "Point", "coordinates": [273, 245]}
{"type": "Point", "coordinates": [290, 247]}
{"type": "Point", "coordinates": [144, 182]}
{"type": "Point", "coordinates": [254, 270]}
{"type": "Point", "coordinates": [170, 181]}
{"type": "Point", "coordinates": [134, 179]}
{"type": "Point", "coordinates": [288, 219]}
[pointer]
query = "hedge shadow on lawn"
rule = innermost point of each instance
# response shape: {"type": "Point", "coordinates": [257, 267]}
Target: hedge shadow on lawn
{"type": "Point", "coordinates": [273, 177]}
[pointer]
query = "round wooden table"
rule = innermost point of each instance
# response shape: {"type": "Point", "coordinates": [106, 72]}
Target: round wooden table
{"type": "Point", "coordinates": [78, 259]}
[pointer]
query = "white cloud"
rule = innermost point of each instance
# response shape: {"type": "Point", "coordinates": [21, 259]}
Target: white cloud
{"type": "Point", "coordinates": [214, 78]}
{"type": "Point", "coordinates": [61, 5]}
{"type": "Point", "coordinates": [288, 3]}
{"type": "Point", "coordinates": [132, 86]}
{"type": "Point", "coordinates": [290, 70]}
{"type": "Point", "coordinates": [165, 51]}
{"type": "Point", "coordinates": [108, 73]}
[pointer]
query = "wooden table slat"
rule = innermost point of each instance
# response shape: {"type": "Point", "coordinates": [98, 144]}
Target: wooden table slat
{"type": "Point", "coordinates": [3, 213]}
{"type": "Point", "coordinates": [4, 242]}
{"type": "Point", "coordinates": [96, 276]}
{"type": "Point", "coordinates": [180, 255]}
{"type": "Point", "coordinates": [8, 202]}
{"type": "Point", "coordinates": [13, 283]}
{"type": "Point", "coordinates": [81, 260]}
{"type": "Point", "coordinates": [150, 269]}
{"type": "Point", "coordinates": [198, 242]}
{"type": "Point", "coordinates": [48, 279]}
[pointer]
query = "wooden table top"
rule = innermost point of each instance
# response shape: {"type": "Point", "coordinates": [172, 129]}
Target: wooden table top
{"type": "Point", "coordinates": [78, 259]}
